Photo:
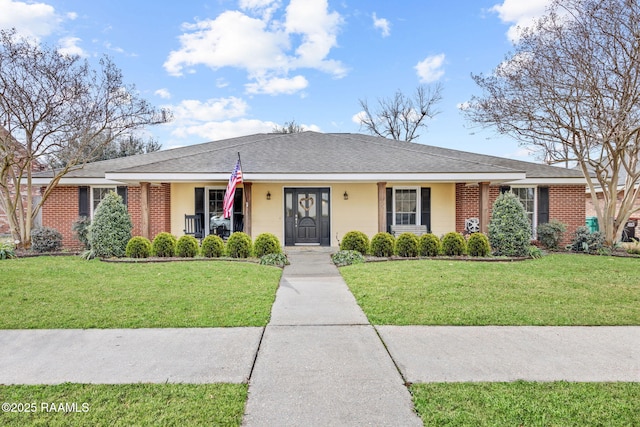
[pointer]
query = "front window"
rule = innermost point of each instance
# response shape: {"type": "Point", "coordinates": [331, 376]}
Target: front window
{"type": "Point", "coordinates": [99, 193]}
{"type": "Point", "coordinates": [218, 224]}
{"type": "Point", "coordinates": [527, 196]}
{"type": "Point", "coordinates": [406, 206]}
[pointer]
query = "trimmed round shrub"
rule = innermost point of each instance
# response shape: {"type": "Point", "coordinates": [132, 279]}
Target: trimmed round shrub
{"type": "Point", "coordinates": [45, 239]}
{"type": "Point", "coordinates": [407, 245]}
{"type": "Point", "coordinates": [138, 247]}
{"type": "Point", "coordinates": [164, 245]}
{"type": "Point", "coordinates": [239, 245]}
{"type": "Point", "coordinates": [110, 230]}
{"type": "Point", "coordinates": [509, 227]}
{"type": "Point", "coordinates": [355, 241]}
{"type": "Point", "coordinates": [478, 245]}
{"type": "Point", "coordinates": [429, 245]}
{"type": "Point", "coordinates": [453, 244]}
{"type": "Point", "coordinates": [382, 244]}
{"type": "Point", "coordinates": [550, 233]}
{"type": "Point", "coordinates": [342, 258]}
{"type": "Point", "coordinates": [265, 244]}
{"type": "Point", "coordinates": [187, 247]}
{"type": "Point", "coordinates": [212, 246]}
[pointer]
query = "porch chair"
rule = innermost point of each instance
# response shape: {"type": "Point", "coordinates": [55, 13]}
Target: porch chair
{"type": "Point", "coordinates": [193, 226]}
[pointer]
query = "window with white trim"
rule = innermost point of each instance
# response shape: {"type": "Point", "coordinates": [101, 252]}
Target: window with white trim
{"type": "Point", "coordinates": [527, 196]}
{"type": "Point", "coordinates": [97, 195]}
{"type": "Point", "coordinates": [405, 206]}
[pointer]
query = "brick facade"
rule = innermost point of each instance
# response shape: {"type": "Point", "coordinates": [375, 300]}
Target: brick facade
{"type": "Point", "coordinates": [60, 211]}
{"type": "Point", "coordinates": [566, 204]}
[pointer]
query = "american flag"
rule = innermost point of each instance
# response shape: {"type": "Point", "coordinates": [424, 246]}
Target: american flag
{"type": "Point", "coordinates": [234, 180]}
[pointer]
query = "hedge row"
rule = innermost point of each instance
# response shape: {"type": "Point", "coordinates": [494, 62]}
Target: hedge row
{"type": "Point", "coordinates": [410, 245]}
{"type": "Point", "coordinates": [239, 245]}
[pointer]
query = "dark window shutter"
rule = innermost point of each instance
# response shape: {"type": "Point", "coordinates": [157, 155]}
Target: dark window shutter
{"type": "Point", "coordinates": [543, 205]}
{"type": "Point", "coordinates": [504, 189]}
{"type": "Point", "coordinates": [389, 209]}
{"type": "Point", "coordinates": [199, 205]}
{"type": "Point", "coordinates": [425, 208]}
{"type": "Point", "coordinates": [122, 192]}
{"type": "Point", "coordinates": [83, 201]}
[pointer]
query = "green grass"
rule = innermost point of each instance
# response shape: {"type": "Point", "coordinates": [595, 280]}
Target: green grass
{"type": "Point", "coordinates": [528, 404]}
{"type": "Point", "coordinates": [126, 405]}
{"type": "Point", "coordinates": [559, 289]}
{"type": "Point", "coordinates": [69, 292]}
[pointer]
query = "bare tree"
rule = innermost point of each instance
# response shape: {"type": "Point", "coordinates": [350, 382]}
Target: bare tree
{"type": "Point", "coordinates": [400, 117]}
{"type": "Point", "coordinates": [289, 127]}
{"type": "Point", "coordinates": [571, 89]}
{"type": "Point", "coordinates": [52, 103]}
{"type": "Point", "coordinates": [124, 146]}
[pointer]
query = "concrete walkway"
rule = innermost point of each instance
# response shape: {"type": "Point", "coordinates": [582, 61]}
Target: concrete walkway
{"type": "Point", "coordinates": [320, 362]}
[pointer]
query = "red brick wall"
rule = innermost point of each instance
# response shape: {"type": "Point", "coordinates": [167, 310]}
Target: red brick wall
{"type": "Point", "coordinates": [60, 211]}
{"type": "Point", "coordinates": [566, 204]}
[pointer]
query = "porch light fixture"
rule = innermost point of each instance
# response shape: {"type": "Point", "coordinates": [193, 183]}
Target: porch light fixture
{"type": "Point", "coordinates": [345, 195]}
{"type": "Point", "coordinates": [268, 195]}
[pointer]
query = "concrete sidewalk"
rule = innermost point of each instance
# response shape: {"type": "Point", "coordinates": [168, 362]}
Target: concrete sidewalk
{"type": "Point", "coordinates": [320, 362]}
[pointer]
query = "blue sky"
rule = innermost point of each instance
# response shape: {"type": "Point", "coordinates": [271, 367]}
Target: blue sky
{"type": "Point", "coordinates": [235, 67]}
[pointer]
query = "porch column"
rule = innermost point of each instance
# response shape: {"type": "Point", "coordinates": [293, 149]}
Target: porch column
{"type": "Point", "coordinates": [382, 207]}
{"type": "Point", "coordinates": [483, 206]}
{"type": "Point", "coordinates": [144, 210]}
{"type": "Point", "coordinates": [247, 208]}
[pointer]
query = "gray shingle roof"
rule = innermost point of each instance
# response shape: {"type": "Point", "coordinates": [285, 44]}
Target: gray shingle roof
{"type": "Point", "coordinates": [315, 153]}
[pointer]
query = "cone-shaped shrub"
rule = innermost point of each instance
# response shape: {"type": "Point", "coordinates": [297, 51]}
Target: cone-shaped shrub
{"type": "Point", "coordinates": [110, 230]}
{"type": "Point", "coordinates": [509, 227]}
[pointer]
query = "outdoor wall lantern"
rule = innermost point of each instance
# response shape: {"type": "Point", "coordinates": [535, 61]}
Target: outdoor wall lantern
{"type": "Point", "coordinates": [268, 195]}
{"type": "Point", "coordinates": [345, 195]}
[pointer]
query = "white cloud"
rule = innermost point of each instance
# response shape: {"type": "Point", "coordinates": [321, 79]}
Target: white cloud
{"type": "Point", "coordinates": [358, 118]}
{"type": "Point", "coordinates": [382, 24]}
{"type": "Point", "coordinates": [262, 45]}
{"type": "Point", "coordinates": [430, 69]}
{"type": "Point", "coordinates": [520, 13]}
{"type": "Point", "coordinates": [211, 131]}
{"type": "Point", "coordinates": [69, 46]}
{"type": "Point", "coordinates": [276, 86]}
{"type": "Point", "coordinates": [30, 19]}
{"type": "Point", "coordinates": [193, 111]}
{"type": "Point", "coordinates": [163, 93]}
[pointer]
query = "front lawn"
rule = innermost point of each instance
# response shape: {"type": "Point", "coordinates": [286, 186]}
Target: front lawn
{"type": "Point", "coordinates": [528, 404]}
{"type": "Point", "coordinates": [69, 292]}
{"type": "Point", "coordinates": [559, 289]}
{"type": "Point", "coordinates": [123, 405]}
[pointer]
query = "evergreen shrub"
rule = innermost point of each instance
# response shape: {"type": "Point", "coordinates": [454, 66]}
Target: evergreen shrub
{"type": "Point", "coordinates": [407, 245]}
{"type": "Point", "coordinates": [382, 245]}
{"type": "Point", "coordinates": [187, 247]}
{"type": "Point", "coordinates": [110, 230]}
{"type": "Point", "coordinates": [265, 244]}
{"type": "Point", "coordinates": [453, 244]}
{"type": "Point", "coordinates": [45, 239]}
{"type": "Point", "coordinates": [509, 227]}
{"type": "Point", "coordinates": [212, 246]}
{"type": "Point", "coordinates": [429, 245]}
{"type": "Point", "coordinates": [355, 241]}
{"type": "Point", "coordinates": [239, 245]}
{"type": "Point", "coordinates": [550, 234]}
{"type": "Point", "coordinates": [478, 245]}
{"type": "Point", "coordinates": [164, 245]}
{"type": "Point", "coordinates": [138, 247]}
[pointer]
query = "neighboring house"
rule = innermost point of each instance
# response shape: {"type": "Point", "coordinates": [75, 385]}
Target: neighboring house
{"type": "Point", "coordinates": [311, 188]}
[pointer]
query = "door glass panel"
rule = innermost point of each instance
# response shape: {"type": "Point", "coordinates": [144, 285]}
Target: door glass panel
{"type": "Point", "coordinates": [307, 206]}
{"type": "Point", "coordinates": [325, 204]}
{"type": "Point", "coordinates": [289, 204]}
{"type": "Point", "coordinates": [217, 223]}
